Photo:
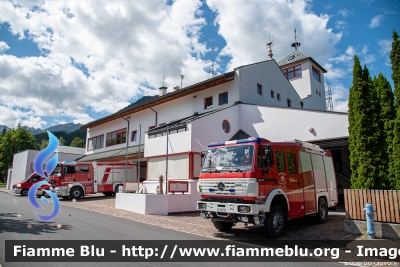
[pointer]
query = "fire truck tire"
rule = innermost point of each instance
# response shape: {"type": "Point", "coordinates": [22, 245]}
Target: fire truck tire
{"type": "Point", "coordinates": [76, 193]}
{"type": "Point", "coordinates": [275, 222]}
{"type": "Point", "coordinates": [322, 213]}
{"type": "Point", "coordinates": [24, 192]}
{"type": "Point", "coordinates": [222, 226]}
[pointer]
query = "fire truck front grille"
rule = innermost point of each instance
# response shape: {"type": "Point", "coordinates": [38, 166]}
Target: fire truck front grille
{"type": "Point", "coordinates": [223, 186]}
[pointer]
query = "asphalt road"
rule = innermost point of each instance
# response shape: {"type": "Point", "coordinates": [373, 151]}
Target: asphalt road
{"type": "Point", "coordinates": [18, 222]}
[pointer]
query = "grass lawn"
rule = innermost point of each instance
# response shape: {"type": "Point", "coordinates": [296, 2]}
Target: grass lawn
{"type": "Point", "coordinates": [2, 184]}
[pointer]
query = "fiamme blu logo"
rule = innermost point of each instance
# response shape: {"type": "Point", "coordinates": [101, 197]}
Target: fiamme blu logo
{"type": "Point", "coordinates": [50, 165]}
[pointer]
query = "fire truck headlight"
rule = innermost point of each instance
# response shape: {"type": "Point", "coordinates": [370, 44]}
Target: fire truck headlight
{"type": "Point", "coordinates": [245, 209]}
{"type": "Point", "coordinates": [202, 206]}
{"type": "Point", "coordinates": [18, 185]}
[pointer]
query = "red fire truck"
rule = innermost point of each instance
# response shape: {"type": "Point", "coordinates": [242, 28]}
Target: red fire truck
{"type": "Point", "coordinates": [72, 179]}
{"type": "Point", "coordinates": [265, 183]}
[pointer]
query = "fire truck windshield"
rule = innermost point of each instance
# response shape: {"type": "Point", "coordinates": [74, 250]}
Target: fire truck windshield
{"type": "Point", "coordinates": [56, 170]}
{"type": "Point", "coordinates": [229, 158]}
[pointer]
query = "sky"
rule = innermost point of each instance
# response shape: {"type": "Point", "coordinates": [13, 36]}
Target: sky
{"type": "Point", "coordinates": [78, 61]}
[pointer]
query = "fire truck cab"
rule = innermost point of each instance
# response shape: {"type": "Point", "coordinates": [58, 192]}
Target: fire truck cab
{"type": "Point", "coordinates": [265, 183]}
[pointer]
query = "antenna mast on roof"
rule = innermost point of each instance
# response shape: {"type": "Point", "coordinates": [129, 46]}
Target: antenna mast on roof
{"type": "Point", "coordinates": [329, 103]}
{"type": "Point", "coordinates": [213, 63]}
{"type": "Point", "coordinates": [269, 45]}
{"type": "Point", "coordinates": [295, 44]}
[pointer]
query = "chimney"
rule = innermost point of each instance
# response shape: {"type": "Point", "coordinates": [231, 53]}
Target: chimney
{"type": "Point", "coordinates": [163, 90]}
{"type": "Point", "coordinates": [176, 88]}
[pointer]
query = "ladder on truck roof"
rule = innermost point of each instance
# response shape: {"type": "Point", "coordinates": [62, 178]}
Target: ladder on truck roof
{"type": "Point", "coordinates": [305, 144]}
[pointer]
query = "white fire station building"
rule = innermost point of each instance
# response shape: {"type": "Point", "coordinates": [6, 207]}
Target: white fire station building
{"type": "Point", "coordinates": [278, 101]}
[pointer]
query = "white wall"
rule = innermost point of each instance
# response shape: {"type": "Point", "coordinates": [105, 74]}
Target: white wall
{"type": "Point", "coordinates": [178, 143]}
{"type": "Point", "coordinates": [280, 124]}
{"type": "Point", "coordinates": [21, 166]}
{"type": "Point", "coordinates": [269, 75]}
{"type": "Point", "coordinates": [208, 129]}
{"type": "Point", "coordinates": [178, 167]}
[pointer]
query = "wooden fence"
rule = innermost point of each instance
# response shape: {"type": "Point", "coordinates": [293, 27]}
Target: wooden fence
{"type": "Point", "coordinates": [385, 203]}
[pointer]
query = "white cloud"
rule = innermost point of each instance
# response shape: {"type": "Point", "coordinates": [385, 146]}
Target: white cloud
{"type": "Point", "coordinates": [340, 96]}
{"type": "Point", "coordinates": [120, 45]}
{"type": "Point", "coordinates": [375, 21]}
{"type": "Point", "coordinates": [344, 12]}
{"type": "Point", "coordinates": [340, 24]}
{"type": "Point", "coordinates": [385, 46]}
{"type": "Point", "coordinates": [3, 47]}
{"type": "Point", "coordinates": [12, 117]}
{"type": "Point", "coordinates": [245, 41]}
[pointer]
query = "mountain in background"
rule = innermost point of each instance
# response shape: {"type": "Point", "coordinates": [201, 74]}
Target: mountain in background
{"type": "Point", "coordinates": [68, 128]}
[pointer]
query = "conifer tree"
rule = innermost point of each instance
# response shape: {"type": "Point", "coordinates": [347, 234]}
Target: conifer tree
{"type": "Point", "coordinates": [364, 135]}
{"type": "Point", "coordinates": [395, 157]}
{"type": "Point", "coordinates": [386, 116]}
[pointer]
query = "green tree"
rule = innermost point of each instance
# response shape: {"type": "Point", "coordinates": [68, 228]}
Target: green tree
{"type": "Point", "coordinates": [386, 117]}
{"type": "Point", "coordinates": [364, 131]}
{"type": "Point", "coordinates": [4, 131]}
{"type": "Point", "coordinates": [14, 141]}
{"type": "Point", "coordinates": [43, 144]}
{"type": "Point", "coordinates": [61, 141]}
{"type": "Point", "coordinates": [395, 157]}
{"type": "Point", "coordinates": [78, 142]}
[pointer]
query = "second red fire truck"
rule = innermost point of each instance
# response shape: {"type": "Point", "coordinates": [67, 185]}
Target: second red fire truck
{"type": "Point", "coordinates": [265, 183]}
{"type": "Point", "coordinates": [74, 179]}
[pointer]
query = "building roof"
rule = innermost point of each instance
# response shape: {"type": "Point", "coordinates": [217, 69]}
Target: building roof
{"type": "Point", "coordinates": [112, 153]}
{"type": "Point", "coordinates": [71, 150]}
{"type": "Point", "coordinates": [295, 57]}
{"type": "Point", "coordinates": [162, 99]}
{"type": "Point", "coordinates": [183, 122]}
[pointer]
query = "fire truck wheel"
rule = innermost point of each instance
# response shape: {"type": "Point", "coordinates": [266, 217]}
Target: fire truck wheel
{"type": "Point", "coordinates": [322, 213]}
{"type": "Point", "coordinates": [24, 192]}
{"type": "Point", "coordinates": [76, 193]}
{"type": "Point", "coordinates": [223, 226]}
{"type": "Point", "coordinates": [275, 223]}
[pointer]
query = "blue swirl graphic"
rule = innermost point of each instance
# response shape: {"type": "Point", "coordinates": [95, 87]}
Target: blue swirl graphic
{"type": "Point", "coordinates": [38, 168]}
{"type": "Point", "coordinates": [44, 154]}
{"type": "Point", "coordinates": [35, 203]}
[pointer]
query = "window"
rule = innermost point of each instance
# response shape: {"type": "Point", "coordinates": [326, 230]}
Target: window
{"type": "Point", "coordinates": [280, 162]}
{"type": "Point", "coordinates": [161, 124]}
{"type": "Point", "coordinates": [316, 74]}
{"type": "Point", "coordinates": [116, 138]}
{"type": "Point", "coordinates": [260, 157]}
{"type": "Point", "coordinates": [84, 169]}
{"type": "Point", "coordinates": [134, 136]}
{"type": "Point", "coordinates": [96, 142]}
{"type": "Point", "coordinates": [226, 126]}
{"type": "Point", "coordinates": [208, 103]}
{"type": "Point", "coordinates": [259, 89]}
{"type": "Point", "coordinates": [278, 96]}
{"type": "Point", "coordinates": [223, 98]}
{"type": "Point", "coordinates": [319, 94]}
{"type": "Point", "coordinates": [291, 162]}
{"type": "Point", "coordinates": [151, 127]}
{"type": "Point", "coordinates": [272, 94]}
{"type": "Point", "coordinates": [289, 103]}
{"type": "Point", "coordinates": [292, 72]}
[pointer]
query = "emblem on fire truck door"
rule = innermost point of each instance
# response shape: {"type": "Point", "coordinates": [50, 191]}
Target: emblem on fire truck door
{"type": "Point", "coordinates": [221, 186]}
{"type": "Point", "coordinates": [282, 178]}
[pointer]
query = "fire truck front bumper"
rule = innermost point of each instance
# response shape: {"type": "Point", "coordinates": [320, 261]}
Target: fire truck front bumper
{"type": "Point", "coordinates": [234, 211]}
